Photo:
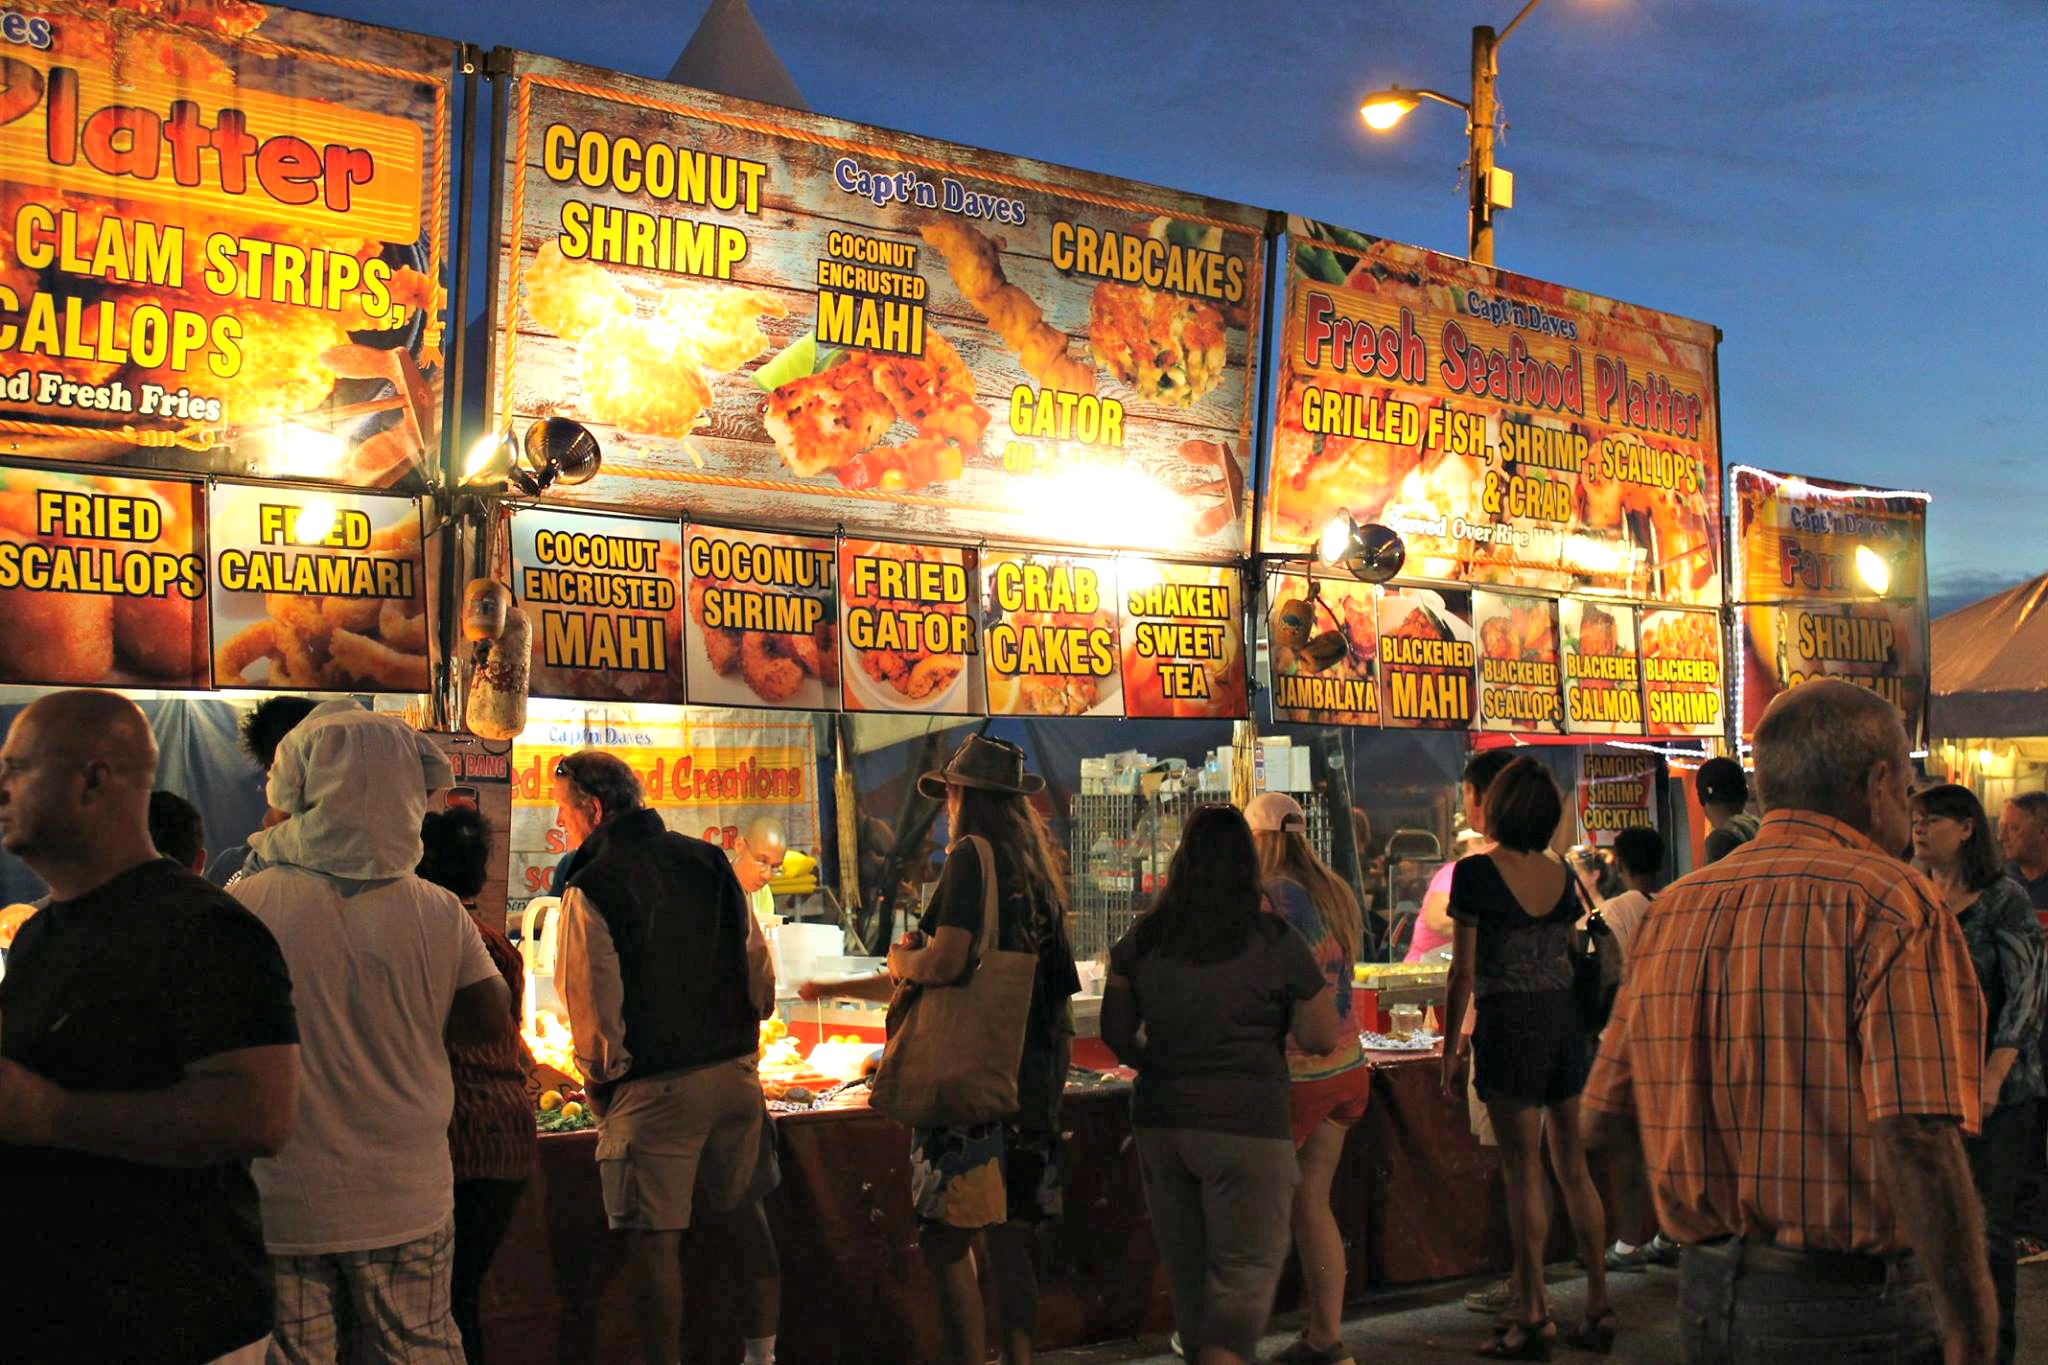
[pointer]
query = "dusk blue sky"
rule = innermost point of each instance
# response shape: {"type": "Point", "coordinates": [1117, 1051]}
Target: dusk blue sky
{"type": "Point", "coordinates": [1855, 193]}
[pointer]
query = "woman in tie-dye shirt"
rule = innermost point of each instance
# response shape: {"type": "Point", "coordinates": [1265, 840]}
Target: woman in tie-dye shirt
{"type": "Point", "coordinates": [1329, 1089]}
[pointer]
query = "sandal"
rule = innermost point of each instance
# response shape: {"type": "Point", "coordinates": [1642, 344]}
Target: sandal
{"type": "Point", "coordinates": [1595, 1332]}
{"type": "Point", "coordinates": [1534, 1345]}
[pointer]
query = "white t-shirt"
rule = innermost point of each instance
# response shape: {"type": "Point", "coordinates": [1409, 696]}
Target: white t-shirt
{"type": "Point", "coordinates": [373, 977]}
{"type": "Point", "coordinates": [1623, 914]}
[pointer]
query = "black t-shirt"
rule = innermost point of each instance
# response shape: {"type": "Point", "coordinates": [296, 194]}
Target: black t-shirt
{"type": "Point", "coordinates": [1029, 924]}
{"type": "Point", "coordinates": [123, 989]}
{"type": "Point", "coordinates": [1517, 951]}
{"type": "Point", "coordinates": [1216, 1033]}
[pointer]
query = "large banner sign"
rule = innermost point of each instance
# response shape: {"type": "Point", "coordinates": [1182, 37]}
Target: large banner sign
{"type": "Point", "coordinates": [1832, 583]}
{"type": "Point", "coordinates": [102, 581]}
{"type": "Point", "coordinates": [223, 228]}
{"type": "Point", "coordinates": [318, 591]}
{"type": "Point", "coordinates": [603, 595]}
{"type": "Point", "coordinates": [822, 324]}
{"type": "Point", "coordinates": [710, 772]}
{"type": "Point", "coordinates": [1514, 432]}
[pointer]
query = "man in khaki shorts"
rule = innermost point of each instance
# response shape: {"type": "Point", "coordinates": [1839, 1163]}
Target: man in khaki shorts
{"type": "Point", "coordinates": [653, 962]}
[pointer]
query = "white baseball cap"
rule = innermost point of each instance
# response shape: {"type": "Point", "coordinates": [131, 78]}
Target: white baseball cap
{"type": "Point", "coordinates": [1275, 812]}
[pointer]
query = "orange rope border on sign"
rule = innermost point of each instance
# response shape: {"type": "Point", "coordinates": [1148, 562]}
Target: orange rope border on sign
{"type": "Point", "coordinates": [769, 128]}
{"type": "Point", "coordinates": [200, 437]}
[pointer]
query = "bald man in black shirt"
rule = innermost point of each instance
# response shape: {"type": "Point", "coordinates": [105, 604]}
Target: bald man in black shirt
{"type": "Point", "coordinates": [149, 1053]}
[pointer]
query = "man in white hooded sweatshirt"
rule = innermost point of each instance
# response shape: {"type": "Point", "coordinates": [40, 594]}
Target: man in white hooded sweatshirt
{"type": "Point", "coordinates": [358, 1208]}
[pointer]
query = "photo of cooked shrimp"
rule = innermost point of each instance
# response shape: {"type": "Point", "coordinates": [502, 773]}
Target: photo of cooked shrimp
{"type": "Point", "coordinates": [1329, 671]}
{"type": "Point", "coordinates": [761, 620]}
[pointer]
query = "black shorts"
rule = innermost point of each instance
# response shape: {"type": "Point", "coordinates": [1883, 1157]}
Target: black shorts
{"type": "Point", "coordinates": [1529, 1048]}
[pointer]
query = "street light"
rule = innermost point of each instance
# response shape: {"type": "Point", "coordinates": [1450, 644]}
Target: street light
{"type": "Point", "coordinates": [1491, 188]}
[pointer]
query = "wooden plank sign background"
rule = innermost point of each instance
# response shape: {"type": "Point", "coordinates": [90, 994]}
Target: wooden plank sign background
{"type": "Point", "coordinates": [785, 320]}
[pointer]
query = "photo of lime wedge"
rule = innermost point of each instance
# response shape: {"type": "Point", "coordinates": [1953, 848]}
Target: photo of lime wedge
{"type": "Point", "coordinates": [794, 361]}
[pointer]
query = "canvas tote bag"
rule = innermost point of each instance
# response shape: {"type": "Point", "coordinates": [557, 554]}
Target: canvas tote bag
{"type": "Point", "coordinates": [953, 1051]}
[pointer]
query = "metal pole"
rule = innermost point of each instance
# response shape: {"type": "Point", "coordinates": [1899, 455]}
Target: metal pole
{"type": "Point", "coordinates": [1480, 121]}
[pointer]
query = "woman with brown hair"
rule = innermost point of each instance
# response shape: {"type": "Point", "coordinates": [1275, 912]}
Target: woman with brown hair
{"type": "Point", "coordinates": [1328, 1090]}
{"type": "Point", "coordinates": [987, 1187]}
{"type": "Point", "coordinates": [1954, 846]}
{"type": "Point", "coordinates": [1516, 908]}
{"type": "Point", "coordinates": [1203, 993]}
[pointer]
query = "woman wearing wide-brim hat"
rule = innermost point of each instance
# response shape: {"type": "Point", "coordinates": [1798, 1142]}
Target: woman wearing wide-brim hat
{"type": "Point", "coordinates": [993, 1183]}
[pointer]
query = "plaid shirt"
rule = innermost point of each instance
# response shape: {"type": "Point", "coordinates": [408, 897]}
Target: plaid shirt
{"type": "Point", "coordinates": [1777, 1004]}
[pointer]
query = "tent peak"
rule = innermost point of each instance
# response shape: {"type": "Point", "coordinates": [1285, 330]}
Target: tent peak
{"type": "Point", "coordinates": [731, 55]}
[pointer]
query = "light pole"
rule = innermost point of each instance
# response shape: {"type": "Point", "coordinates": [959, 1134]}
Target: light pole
{"type": "Point", "coordinates": [1490, 187]}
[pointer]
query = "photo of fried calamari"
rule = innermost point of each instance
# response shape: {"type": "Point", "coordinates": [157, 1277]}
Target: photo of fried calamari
{"type": "Point", "coordinates": [305, 641]}
{"type": "Point", "coordinates": [837, 420]}
{"type": "Point", "coordinates": [267, 345]}
{"type": "Point", "coordinates": [899, 646]}
{"type": "Point", "coordinates": [646, 370]}
{"type": "Point", "coordinates": [57, 628]}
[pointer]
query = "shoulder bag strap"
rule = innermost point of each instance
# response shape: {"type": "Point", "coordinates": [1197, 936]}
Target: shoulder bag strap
{"type": "Point", "coordinates": [989, 925]}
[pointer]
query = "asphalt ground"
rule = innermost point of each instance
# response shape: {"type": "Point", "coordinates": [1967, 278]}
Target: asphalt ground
{"type": "Point", "coordinates": [1431, 1323]}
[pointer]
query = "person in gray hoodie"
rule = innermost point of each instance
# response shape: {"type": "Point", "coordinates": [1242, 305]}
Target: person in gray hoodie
{"type": "Point", "coordinates": [386, 970]}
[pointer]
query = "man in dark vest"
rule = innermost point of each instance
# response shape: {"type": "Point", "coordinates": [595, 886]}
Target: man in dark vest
{"type": "Point", "coordinates": [652, 962]}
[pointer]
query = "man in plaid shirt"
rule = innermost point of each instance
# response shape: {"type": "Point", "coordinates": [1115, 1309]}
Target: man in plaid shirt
{"type": "Point", "coordinates": [1797, 1051]}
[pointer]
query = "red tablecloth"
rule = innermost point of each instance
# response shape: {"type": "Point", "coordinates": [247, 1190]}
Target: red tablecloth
{"type": "Point", "coordinates": [1416, 1196]}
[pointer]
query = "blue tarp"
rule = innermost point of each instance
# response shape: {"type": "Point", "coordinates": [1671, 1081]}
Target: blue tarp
{"type": "Point", "coordinates": [202, 761]}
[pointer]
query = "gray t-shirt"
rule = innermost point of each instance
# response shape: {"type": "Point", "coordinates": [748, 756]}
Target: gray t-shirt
{"type": "Point", "coordinates": [1215, 1036]}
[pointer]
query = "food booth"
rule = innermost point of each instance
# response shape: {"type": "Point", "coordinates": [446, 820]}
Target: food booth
{"type": "Point", "coordinates": [805, 443]}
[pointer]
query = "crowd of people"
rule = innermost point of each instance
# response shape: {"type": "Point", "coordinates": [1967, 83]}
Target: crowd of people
{"type": "Point", "coordinates": [288, 1118]}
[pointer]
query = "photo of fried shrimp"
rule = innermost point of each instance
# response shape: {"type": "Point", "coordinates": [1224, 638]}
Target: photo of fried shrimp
{"type": "Point", "coordinates": [1165, 347]}
{"type": "Point", "coordinates": [974, 260]}
{"type": "Point", "coordinates": [721, 326]}
{"type": "Point", "coordinates": [779, 667]}
{"type": "Point", "coordinates": [836, 420]}
{"type": "Point", "coordinates": [572, 299]}
{"type": "Point", "coordinates": [633, 376]}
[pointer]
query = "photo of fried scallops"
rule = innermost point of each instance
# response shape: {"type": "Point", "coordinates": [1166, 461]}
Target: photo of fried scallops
{"type": "Point", "coordinates": [1165, 347]}
{"type": "Point", "coordinates": [836, 421]}
{"type": "Point", "coordinates": [1525, 633]}
{"type": "Point", "coordinates": [328, 643]}
{"type": "Point", "coordinates": [63, 632]}
{"type": "Point", "coordinates": [899, 660]}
